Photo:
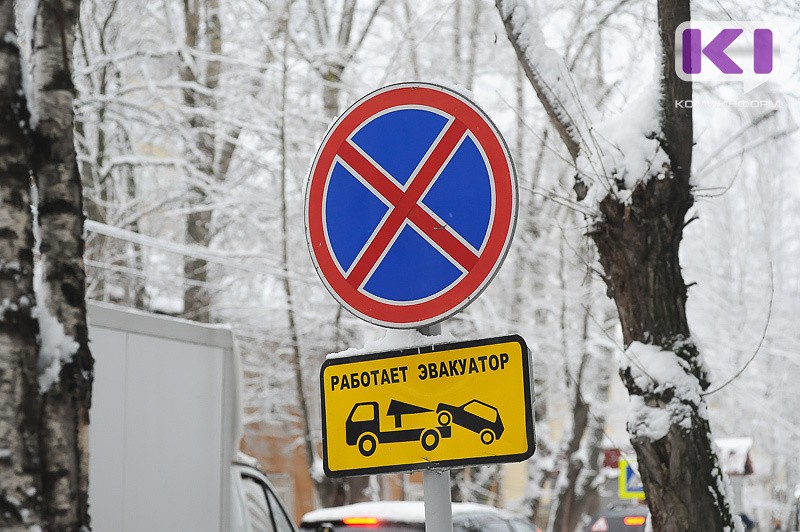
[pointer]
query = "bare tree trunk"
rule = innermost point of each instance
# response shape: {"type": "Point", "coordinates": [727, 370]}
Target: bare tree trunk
{"type": "Point", "coordinates": [457, 480]}
{"type": "Point", "coordinates": [65, 405]}
{"type": "Point", "coordinates": [211, 153]}
{"type": "Point", "coordinates": [411, 38]}
{"type": "Point", "coordinates": [335, 492]}
{"type": "Point", "coordinates": [297, 361]}
{"type": "Point", "coordinates": [332, 79]}
{"type": "Point", "coordinates": [587, 499]}
{"type": "Point", "coordinates": [20, 483]}
{"type": "Point", "coordinates": [572, 463]}
{"type": "Point", "coordinates": [97, 134]}
{"type": "Point", "coordinates": [583, 447]}
{"type": "Point", "coordinates": [472, 52]}
{"type": "Point", "coordinates": [197, 297]}
{"type": "Point", "coordinates": [97, 201]}
{"type": "Point", "coordinates": [457, 66]}
{"type": "Point", "coordinates": [333, 68]}
{"type": "Point", "coordinates": [538, 475]}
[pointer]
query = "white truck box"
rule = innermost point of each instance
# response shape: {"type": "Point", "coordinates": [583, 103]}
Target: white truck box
{"type": "Point", "coordinates": [165, 426]}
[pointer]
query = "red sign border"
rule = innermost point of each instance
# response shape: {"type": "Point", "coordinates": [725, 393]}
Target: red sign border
{"type": "Point", "coordinates": [502, 225]}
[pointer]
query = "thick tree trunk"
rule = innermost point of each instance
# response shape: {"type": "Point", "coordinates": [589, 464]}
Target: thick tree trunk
{"type": "Point", "coordinates": [638, 242]}
{"type": "Point", "coordinates": [638, 246]}
{"type": "Point", "coordinates": [20, 483]}
{"type": "Point", "coordinates": [65, 402]}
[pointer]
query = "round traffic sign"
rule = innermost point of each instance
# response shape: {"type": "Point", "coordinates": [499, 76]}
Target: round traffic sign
{"type": "Point", "coordinates": [411, 205]}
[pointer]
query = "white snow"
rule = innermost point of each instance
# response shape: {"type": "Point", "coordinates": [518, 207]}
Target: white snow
{"type": "Point", "coordinates": [5, 305]}
{"type": "Point", "coordinates": [658, 371]}
{"type": "Point", "coordinates": [37, 231]}
{"type": "Point", "coordinates": [248, 460]}
{"type": "Point", "coordinates": [11, 266]}
{"type": "Point", "coordinates": [616, 153]}
{"type": "Point", "coordinates": [646, 421]}
{"type": "Point", "coordinates": [28, 21]}
{"type": "Point", "coordinates": [317, 471]}
{"type": "Point", "coordinates": [549, 68]}
{"type": "Point", "coordinates": [166, 303]}
{"type": "Point", "coordinates": [402, 511]}
{"type": "Point", "coordinates": [395, 339]}
{"type": "Point", "coordinates": [624, 151]}
{"type": "Point", "coordinates": [724, 487]}
{"type": "Point", "coordinates": [55, 346]}
{"type": "Point", "coordinates": [733, 454]}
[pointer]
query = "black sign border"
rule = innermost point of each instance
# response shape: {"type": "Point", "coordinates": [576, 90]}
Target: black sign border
{"type": "Point", "coordinates": [442, 464]}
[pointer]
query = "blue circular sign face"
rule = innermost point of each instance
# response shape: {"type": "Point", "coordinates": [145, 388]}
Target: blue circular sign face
{"type": "Point", "coordinates": [411, 205]}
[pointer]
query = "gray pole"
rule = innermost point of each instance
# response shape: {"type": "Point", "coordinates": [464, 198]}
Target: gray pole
{"type": "Point", "coordinates": [436, 483]}
{"type": "Point", "coordinates": [438, 508]}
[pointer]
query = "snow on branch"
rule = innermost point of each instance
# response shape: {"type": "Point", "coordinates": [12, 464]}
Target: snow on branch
{"type": "Point", "coordinates": [139, 160]}
{"type": "Point", "coordinates": [625, 150]}
{"type": "Point", "coordinates": [546, 71]}
{"type": "Point", "coordinates": [612, 156]}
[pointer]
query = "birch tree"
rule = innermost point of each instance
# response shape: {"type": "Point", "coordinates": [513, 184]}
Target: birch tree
{"type": "Point", "coordinates": [637, 194]}
{"type": "Point", "coordinates": [51, 439]}
{"type": "Point", "coordinates": [20, 482]}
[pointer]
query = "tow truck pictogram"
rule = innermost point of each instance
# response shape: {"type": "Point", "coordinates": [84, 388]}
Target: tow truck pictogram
{"type": "Point", "coordinates": [363, 426]}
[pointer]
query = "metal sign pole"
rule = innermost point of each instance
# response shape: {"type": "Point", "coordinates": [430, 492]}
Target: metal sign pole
{"type": "Point", "coordinates": [438, 507]}
{"type": "Point", "coordinates": [436, 483]}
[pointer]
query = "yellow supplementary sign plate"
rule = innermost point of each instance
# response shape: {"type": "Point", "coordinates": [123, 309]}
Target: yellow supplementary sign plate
{"type": "Point", "coordinates": [438, 406]}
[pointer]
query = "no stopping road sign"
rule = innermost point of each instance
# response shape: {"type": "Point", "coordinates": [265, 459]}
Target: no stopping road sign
{"type": "Point", "coordinates": [411, 205]}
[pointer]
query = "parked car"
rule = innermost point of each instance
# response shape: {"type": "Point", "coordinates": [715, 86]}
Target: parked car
{"type": "Point", "coordinates": [620, 518]}
{"type": "Point", "coordinates": [477, 416]}
{"type": "Point", "coordinates": [256, 506]}
{"type": "Point", "coordinates": [409, 516]}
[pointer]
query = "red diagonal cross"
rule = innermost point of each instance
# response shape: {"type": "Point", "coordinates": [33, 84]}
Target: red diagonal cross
{"type": "Point", "coordinates": [405, 204]}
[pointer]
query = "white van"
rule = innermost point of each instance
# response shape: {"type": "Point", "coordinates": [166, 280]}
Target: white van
{"type": "Point", "coordinates": [165, 426]}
